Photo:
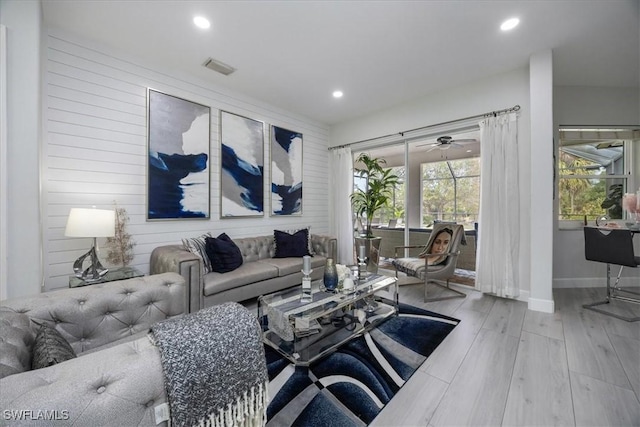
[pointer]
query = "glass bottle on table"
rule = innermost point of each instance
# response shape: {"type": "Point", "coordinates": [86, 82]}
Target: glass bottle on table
{"type": "Point", "coordinates": [330, 277]}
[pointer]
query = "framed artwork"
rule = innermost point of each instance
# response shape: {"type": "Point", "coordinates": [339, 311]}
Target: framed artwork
{"type": "Point", "coordinates": [242, 166]}
{"type": "Point", "coordinates": [178, 135]}
{"type": "Point", "coordinates": [286, 172]}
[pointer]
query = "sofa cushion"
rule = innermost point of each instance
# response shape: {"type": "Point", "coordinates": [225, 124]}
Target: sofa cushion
{"type": "Point", "coordinates": [285, 266]}
{"type": "Point", "coordinates": [224, 255]}
{"type": "Point", "coordinates": [16, 342]}
{"type": "Point", "coordinates": [288, 266]}
{"type": "Point", "coordinates": [50, 348]}
{"type": "Point", "coordinates": [249, 272]}
{"type": "Point", "coordinates": [198, 246]}
{"type": "Point", "coordinates": [291, 245]}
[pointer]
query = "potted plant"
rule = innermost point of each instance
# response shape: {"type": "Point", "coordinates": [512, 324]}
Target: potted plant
{"type": "Point", "coordinates": [613, 202]}
{"type": "Point", "coordinates": [398, 214]}
{"type": "Point", "coordinates": [366, 202]}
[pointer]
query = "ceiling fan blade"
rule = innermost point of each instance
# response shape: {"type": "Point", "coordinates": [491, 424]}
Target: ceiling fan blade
{"type": "Point", "coordinates": [430, 143]}
{"type": "Point", "coordinates": [464, 140]}
{"type": "Point", "coordinates": [609, 144]}
{"type": "Point", "coordinates": [432, 148]}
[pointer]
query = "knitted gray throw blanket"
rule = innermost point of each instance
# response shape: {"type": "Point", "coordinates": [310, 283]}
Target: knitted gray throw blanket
{"type": "Point", "coordinates": [214, 367]}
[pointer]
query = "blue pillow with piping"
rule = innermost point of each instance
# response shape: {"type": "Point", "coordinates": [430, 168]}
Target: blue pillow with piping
{"type": "Point", "coordinates": [291, 245]}
{"type": "Point", "coordinates": [224, 254]}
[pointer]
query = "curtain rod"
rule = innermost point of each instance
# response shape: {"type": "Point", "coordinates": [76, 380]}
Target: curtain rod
{"type": "Point", "coordinates": [515, 108]}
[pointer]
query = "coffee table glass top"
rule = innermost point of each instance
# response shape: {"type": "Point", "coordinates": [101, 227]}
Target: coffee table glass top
{"type": "Point", "coordinates": [306, 331]}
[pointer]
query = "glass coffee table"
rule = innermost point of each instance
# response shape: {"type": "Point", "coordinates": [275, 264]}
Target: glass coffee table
{"type": "Point", "coordinates": [306, 331]}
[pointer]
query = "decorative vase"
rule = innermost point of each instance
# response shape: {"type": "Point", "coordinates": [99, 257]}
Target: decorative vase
{"type": "Point", "coordinates": [330, 277]}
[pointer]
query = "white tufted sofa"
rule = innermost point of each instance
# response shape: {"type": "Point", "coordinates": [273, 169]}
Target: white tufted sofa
{"type": "Point", "coordinates": [259, 274]}
{"type": "Point", "coordinates": [117, 379]}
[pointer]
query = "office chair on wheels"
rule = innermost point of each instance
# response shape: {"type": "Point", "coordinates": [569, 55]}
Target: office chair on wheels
{"type": "Point", "coordinates": [613, 246]}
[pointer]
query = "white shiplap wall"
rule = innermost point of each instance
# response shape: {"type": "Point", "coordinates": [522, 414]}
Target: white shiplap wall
{"type": "Point", "coordinates": [95, 150]}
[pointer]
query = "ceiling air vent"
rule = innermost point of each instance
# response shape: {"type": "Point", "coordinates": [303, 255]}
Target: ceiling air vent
{"type": "Point", "coordinates": [218, 66]}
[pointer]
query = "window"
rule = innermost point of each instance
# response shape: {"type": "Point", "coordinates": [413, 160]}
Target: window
{"type": "Point", "coordinates": [451, 192]}
{"type": "Point", "coordinates": [594, 169]}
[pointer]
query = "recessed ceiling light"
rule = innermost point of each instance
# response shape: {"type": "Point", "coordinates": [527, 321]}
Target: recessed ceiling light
{"type": "Point", "coordinates": [201, 22]}
{"type": "Point", "coordinates": [337, 94]}
{"type": "Point", "coordinates": [509, 24]}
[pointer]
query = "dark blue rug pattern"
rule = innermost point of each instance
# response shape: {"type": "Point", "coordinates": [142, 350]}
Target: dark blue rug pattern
{"type": "Point", "coordinates": [351, 386]}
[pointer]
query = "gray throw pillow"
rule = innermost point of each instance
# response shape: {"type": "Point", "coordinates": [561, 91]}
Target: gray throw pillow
{"type": "Point", "coordinates": [16, 342]}
{"type": "Point", "coordinates": [50, 348]}
{"type": "Point", "coordinates": [198, 246]}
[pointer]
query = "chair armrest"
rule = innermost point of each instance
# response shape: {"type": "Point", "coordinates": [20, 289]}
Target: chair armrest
{"type": "Point", "coordinates": [395, 249]}
{"type": "Point", "coordinates": [457, 253]}
{"type": "Point", "coordinates": [176, 259]}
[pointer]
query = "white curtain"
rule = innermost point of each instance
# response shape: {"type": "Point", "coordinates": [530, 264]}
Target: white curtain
{"type": "Point", "coordinates": [499, 217]}
{"type": "Point", "coordinates": [341, 187]}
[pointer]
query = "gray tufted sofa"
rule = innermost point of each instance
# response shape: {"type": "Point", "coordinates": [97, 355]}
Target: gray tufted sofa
{"type": "Point", "coordinates": [117, 378]}
{"type": "Point", "coordinates": [259, 274]}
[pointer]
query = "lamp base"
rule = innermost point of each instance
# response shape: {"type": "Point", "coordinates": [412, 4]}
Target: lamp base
{"type": "Point", "coordinates": [94, 272]}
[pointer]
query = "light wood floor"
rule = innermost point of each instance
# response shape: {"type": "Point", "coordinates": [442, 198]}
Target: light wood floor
{"type": "Point", "coordinates": [506, 365]}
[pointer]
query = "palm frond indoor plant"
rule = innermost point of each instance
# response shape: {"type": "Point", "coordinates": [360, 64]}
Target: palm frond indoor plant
{"type": "Point", "coordinates": [376, 194]}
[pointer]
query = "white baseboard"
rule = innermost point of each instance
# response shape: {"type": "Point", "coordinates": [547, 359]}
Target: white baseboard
{"type": "Point", "coordinates": [543, 305]}
{"type": "Point", "coordinates": [524, 295]}
{"type": "Point", "coordinates": [593, 282]}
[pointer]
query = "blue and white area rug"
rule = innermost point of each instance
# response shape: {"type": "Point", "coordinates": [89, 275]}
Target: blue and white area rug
{"type": "Point", "coordinates": [351, 386]}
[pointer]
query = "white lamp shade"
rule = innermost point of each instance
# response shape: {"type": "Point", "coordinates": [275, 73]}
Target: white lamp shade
{"type": "Point", "coordinates": [90, 223]}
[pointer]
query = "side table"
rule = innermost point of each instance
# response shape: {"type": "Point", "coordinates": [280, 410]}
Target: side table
{"type": "Point", "coordinates": [113, 274]}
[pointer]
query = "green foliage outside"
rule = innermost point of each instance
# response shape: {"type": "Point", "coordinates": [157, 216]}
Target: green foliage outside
{"type": "Point", "coordinates": [447, 199]}
{"type": "Point", "coordinates": [580, 197]}
{"type": "Point", "coordinates": [395, 208]}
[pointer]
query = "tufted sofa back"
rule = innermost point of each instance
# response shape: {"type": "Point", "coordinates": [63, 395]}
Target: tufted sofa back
{"type": "Point", "coordinates": [255, 248]}
{"type": "Point", "coordinates": [263, 247]}
{"type": "Point", "coordinates": [94, 316]}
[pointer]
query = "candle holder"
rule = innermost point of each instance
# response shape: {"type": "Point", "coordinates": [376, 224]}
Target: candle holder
{"type": "Point", "coordinates": [306, 279]}
{"type": "Point", "coordinates": [362, 269]}
{"type": "Point", "coordinates": [306, 295]}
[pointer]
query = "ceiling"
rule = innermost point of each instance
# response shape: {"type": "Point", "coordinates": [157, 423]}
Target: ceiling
{"type": "Point", "coordinates": [294, 54]}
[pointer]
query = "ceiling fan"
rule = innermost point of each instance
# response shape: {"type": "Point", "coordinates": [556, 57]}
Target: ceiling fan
{"type": "Point", "coordinates": [446, 142]}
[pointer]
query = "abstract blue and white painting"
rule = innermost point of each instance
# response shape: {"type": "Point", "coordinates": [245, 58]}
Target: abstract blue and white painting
{"type": "Point", "coordinates": [242, 160]}
{"type": "Point", "coordinates": [286, 172]}
{"type": "Point", "coordinates": [178, 170]}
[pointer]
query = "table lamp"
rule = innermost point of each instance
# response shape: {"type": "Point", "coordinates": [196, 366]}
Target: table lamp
{"type": "Point", "coordinates": [90, 223]}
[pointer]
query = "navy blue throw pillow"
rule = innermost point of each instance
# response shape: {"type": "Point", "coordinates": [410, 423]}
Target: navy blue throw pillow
{"type": "Point", "coordinates": [225, 256]}
{"type": "Point", "coordinates": [291, 245]}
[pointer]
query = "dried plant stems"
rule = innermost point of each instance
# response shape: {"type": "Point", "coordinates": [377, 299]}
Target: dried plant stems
{"type": "Point", "coordinates": [120, 246]}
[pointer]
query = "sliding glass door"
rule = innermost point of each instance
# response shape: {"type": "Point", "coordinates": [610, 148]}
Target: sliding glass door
{"type": "Point", "coordinates": [438, 182]}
